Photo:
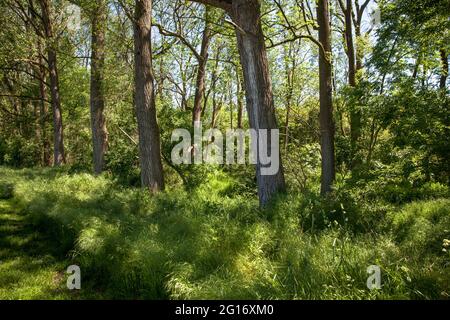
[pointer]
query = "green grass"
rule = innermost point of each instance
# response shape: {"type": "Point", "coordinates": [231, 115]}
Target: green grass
{"type": "Point", "coordinates": [213, 243]}
{"type": "Point", "coordinates": [29, 267]}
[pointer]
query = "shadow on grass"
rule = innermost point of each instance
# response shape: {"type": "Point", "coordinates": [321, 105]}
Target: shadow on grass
{"type": "Point", "coordinates": [30, 265]}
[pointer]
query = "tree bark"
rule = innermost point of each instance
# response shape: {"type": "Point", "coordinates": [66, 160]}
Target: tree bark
{"type": "Point", "coordinates": [152, 176]}
{"type": "Point", "coordinates": [350, 44]}
{"type": "Point", "coordinates": [353, 64]}
{"type": "Point", "coordinates": [290, 75]}
{"type": "Point", "coordinates": [201, 71]}
{"type": "Point", "coordinates": [97, 99]}
{"type": "Point", "coordinates": [258, 87]}
{"type": "Point", "coordinates": [326, 100]}
{"type": "Point", "coordinates": [58, 149]}
{"type": "Point", "coordinates": [43, 111]}
{"type": "Point", "coordinates": [239, 95]}
{"type": "Point", "coordinates": [444, 74]}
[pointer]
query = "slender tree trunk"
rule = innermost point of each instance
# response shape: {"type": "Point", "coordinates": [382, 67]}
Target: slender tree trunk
{"type": "Point", "coordinates": [354, 62]}
{"type": "Point", "coordinates": [444, 74]}
{"type": "Point", "coordinates": [216, 109]}
{"type": "Point", "coordinates": [201, 71]}
{"type": "Point", "coordinates": [326, 102]}
{"type": "Point", "coordinates": [212, 89]}
{"type": "Point", "coordinates": [58, 149]}
{"type": "Point", "coordinates": [358, 51]}
{"type": "Point", "coordinates": [290, 72]}
{"type": "Point", "coordinates": [98, 121]}
{"type": "Point", "coordinates": [43, 111]}
{"type": "Point", "coordinates": [350, 44]}
{"type": "Point", "coordinates": [260, 105]}
{"type": "Point", "coordinates": [149, 140]}
{"type": "Point", "coordinates": [286, 124]}
{"type": "Point", "coordinates": [239, 97]}
{"type": "Point", "coordinates": [230, 104]}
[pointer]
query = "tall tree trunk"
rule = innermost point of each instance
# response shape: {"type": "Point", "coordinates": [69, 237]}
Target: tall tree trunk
{"type": "Point", "coordinates": [217, 106]}
{"type": "Point", "coordinates": [43, 111]}
{"type": "Point", "coordinates": [149, 140]}
{"type": "Point", "coordinates": [358, 51]}
{"type": "Point", "coordinates": [354, 62]}
{"type": "Point", "coordinates": [230, 104]}
{"type": "Point", "coordinates": [326, 100]}
{"type": "Point", "coordinates": [288, 115]}
{"type": "Point", "coordinates": [290, 74]}
{"type": "Point", "coordinates": [260, 105]}
{"type": "Point", "coordinates": [444, 74]}
{"type": "Point", "coordinates": [58, 149]}
{"type": "Point", "coordinates": [239, 97]}
{"type": "Point", "coordinates": [98, 121]}
{"type": "Point", "coordinates": [201, 71]}
{"type": "Point", "coordinates": [350, 44]}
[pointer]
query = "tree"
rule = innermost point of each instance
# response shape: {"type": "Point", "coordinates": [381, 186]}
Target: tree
{"type": "Point", "coordinates": [201, 57]}
{"type": "Point", "coordinates": [326, 98]}
{"type": "Point", "coordinates": [152, 176]}
{"type": "Point", "coordinates": [58, 149]}
{"type": "Point", "coordinates": [43, 111]}
{"type": "Point", "coordinates": [353, 16]}
{"type": "Point", "coordinates": [444, 72]}
{"type": "Point", "coordinates": [97, 99]}
{"type": "Point", "coordinates": [201, 71]}
{"type": "Point", "coordinates": [246, 15]}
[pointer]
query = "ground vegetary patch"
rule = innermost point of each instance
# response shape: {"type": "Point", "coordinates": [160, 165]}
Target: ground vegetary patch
{"type": "Point", "coordinates": [208, 245]}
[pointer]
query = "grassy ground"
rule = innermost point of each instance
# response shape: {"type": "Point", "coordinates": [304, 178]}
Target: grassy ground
{"type": "Point", "coordinates": [212, 242]}
{"type": "Point", "coordinates": [29, 268]}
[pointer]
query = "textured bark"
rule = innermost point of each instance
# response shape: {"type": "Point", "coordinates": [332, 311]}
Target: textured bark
{"type": "Point", "coordinates": [350, 50]}
{"type": "Point", "coordinates": [260, 105]}
{"type": "Point", "coordinates": [152, 176]}
{"type": "Point", "coordinates": [444, 73]}
{"type": "Point", "coordinates": [201, 71]}
{"type": "Point", "coordinates": [326, 102]}
{"type": "Point", "coordinates": [212, 88]}
{"type": "Point", "coordinates": [290, 73]}
{"type": "Point", "coordinates": [353, 64]}
{"type": "Point", "coordinates": [239, 95]}
{"type": "Point", "coordinates": [97, 99]}
{"type": "Point", "coordinates": [58, 148]}
{"type": "Point", "coordinates": [217, 106]}
{"type": "Point", "coordinates": [43, 110]}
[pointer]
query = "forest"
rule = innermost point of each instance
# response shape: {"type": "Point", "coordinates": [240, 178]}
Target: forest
{"type": "Point", "coordinates": [224, 149]}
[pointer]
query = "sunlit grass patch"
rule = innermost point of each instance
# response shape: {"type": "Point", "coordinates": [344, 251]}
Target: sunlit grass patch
{"type": "Point", "coordinates": [210, 242]}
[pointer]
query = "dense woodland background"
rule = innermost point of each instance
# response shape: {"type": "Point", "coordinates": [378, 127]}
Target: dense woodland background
{"type": "Point", "coordinates": [90, 92]}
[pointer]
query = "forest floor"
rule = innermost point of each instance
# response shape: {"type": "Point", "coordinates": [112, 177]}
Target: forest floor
{"type": "Point", "coordinates": [28, 267]}
{"type": "Point", "coordinates": [212, 242]}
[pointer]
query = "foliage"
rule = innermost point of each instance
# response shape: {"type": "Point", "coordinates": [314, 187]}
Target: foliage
{"type": "Point", "coordinates": [211, 243]}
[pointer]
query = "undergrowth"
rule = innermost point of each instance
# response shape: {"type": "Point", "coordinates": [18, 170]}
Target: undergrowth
{"type": "Point", "coordinates": [212, 242]}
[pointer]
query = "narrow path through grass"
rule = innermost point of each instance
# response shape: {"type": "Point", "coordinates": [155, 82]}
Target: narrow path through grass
{"type": "Point", "coordinates": [28, 268]}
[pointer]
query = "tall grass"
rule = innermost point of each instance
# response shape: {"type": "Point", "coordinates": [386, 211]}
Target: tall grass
{"type": "Point", "coordinates": [213, 243]}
